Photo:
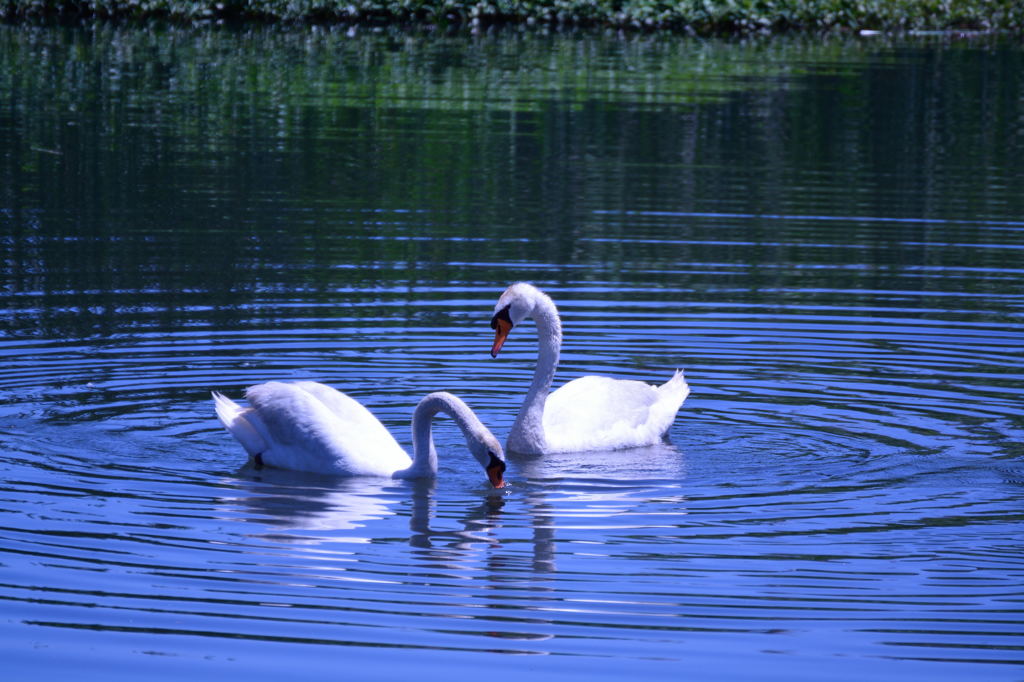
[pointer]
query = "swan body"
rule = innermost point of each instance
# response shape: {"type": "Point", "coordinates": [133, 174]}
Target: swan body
{"type": "Point", "coordinates": [307, 426]}
{"type": "Point", "coordinates": [588, 413]}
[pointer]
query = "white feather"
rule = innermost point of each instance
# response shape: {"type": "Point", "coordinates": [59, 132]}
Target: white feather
{"type": "Point", "coordinates": [589, 413]}
{"type": "Point", "coordinates": [232, 416]}
{"type": "Point", "coordinates": [306, 426]}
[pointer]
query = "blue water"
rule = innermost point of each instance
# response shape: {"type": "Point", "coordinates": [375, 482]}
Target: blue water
{"type": "Point", "coordinates": [824, 235]}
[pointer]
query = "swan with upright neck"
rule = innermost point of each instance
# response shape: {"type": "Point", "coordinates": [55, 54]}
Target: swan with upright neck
{"type": "Point", "coordinates": [588, 413]}
{"type": "Point", "coordinates": [308, 426]}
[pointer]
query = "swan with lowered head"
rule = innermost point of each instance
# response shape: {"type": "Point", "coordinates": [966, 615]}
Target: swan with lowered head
{"type": "Point", "coordinates": [588, 413]}
{"type": "Point", "coordinates": [307, 426]}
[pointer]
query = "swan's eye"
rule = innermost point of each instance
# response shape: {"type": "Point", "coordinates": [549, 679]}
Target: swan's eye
{"type": "Point", "coordinates": [501, 315]}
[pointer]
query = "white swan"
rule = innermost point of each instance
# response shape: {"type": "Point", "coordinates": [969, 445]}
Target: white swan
{"type": "Point", "coordinates": [306, 426]}
{"type": "Point", "coordinates": [589, 413]}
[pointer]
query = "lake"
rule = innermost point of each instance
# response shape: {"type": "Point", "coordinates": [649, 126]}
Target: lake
{"type": "Point", "coordinates": [827, 235]}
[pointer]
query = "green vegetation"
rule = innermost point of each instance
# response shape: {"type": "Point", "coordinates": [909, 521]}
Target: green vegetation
{"type": "Point", "coordinates": [699, 16]}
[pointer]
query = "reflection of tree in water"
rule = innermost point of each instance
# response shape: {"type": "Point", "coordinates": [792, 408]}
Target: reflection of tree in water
{"type": "Point", "coordinates": [154, 216]}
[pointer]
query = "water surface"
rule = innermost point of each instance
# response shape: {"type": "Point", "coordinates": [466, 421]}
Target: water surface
{"type": "Point", "coordinates": [826, 236]}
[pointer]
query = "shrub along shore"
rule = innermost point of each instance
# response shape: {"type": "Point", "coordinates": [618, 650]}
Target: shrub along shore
{"type": "Point", "coordinates": [694, 16]}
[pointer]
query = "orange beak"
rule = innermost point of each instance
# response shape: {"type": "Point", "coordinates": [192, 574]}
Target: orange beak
{"type": "Point", "coordinates": [495, 475]}
{"type": "Point", "coordinates": [501, 329]}
{"type": "Point", "coordinates": [495, 471]}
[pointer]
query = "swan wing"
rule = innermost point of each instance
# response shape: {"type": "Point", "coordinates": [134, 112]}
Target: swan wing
{"type": "Point", "coordinates": [601, 413]}
{"type": "Point", "coordinates": [313, 427]}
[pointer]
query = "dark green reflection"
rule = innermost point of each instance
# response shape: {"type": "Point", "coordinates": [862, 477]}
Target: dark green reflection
{"type": "Point", "coordinates": [160, 178]}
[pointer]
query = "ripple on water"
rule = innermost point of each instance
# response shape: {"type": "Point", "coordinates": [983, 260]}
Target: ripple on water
{"type": "Point", "coordinates": [845, 471]}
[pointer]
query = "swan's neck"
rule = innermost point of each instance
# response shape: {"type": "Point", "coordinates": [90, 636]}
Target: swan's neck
{"type": "Point", "coordinates": [527, 433]}
{"type": "Point", "coordinates": [424, 459]}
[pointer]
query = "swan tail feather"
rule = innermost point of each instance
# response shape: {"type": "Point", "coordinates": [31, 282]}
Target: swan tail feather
{"type": "Point", "coordinates": [233, 417]}
{"type": "Point", "coordinates": [677, 388]}
{"type": "Point", "coordinates": [671, 396]}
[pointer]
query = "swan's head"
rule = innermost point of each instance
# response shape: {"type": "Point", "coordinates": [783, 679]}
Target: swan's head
{"type": "Point", "coordinates": [487, 450]}
{"type": "Point", "coordinates": [479, 439]}
{"type": "Point", "coordinates": [517, 303]}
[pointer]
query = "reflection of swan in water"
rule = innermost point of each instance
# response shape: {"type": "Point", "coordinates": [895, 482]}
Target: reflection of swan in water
{"type": "Point", "coordinates": [661, 464]}
{"type": "Point", "coordinates": [472, 548]}
{"type": "Point", "coordinates": [610, 491]}
{"type": "Point", "coordinates": [307, 426]}
{"type": "Point", "coordinates": [478, 523]}
{"type": "Point", "coordinates": [297, 501]}
{"type": "Point", "coordinates": [588, 413]}
{"type": "Point", "coordinates": [288, 501]}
